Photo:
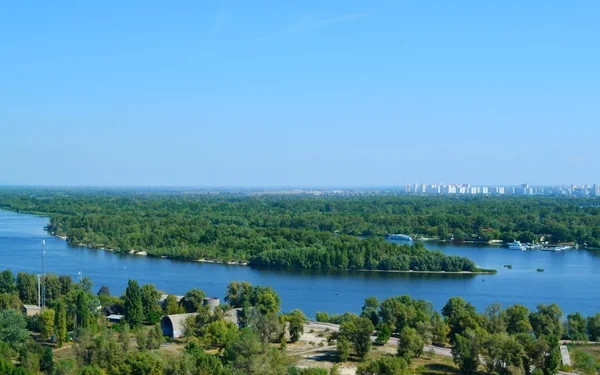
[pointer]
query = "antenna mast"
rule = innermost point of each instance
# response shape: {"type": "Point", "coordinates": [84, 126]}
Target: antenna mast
{"type": "Point", "coordinates": [43, 307]}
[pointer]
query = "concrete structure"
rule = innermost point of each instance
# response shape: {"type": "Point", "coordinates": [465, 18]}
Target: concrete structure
{"type": "Point", "coordinates": [564, 353]}
{"type": "Point", "coordinates": [31, 310]}
{"type": "Point", "coordinates": [174, 325]}
{"type": "Point", "coordinates": [211, 302]}
{"type": "Point", "coordinates": [163, 299]}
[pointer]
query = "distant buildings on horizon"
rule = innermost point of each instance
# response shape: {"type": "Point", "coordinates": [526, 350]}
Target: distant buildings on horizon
{"type": "Point", "coordinates": [522, 190]}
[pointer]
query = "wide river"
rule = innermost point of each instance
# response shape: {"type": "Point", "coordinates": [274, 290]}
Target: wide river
{"type": "Point", "coordinates": [571, 278]}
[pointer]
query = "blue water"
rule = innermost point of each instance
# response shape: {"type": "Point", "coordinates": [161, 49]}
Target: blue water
{"type": "Point", "coordinates": [571, 278]}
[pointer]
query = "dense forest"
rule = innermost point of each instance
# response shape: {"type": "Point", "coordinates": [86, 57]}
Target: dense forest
{"type": "Point", "coordinates": [327, 232]}
{"type": "Point", "coordinates": [502, 341]}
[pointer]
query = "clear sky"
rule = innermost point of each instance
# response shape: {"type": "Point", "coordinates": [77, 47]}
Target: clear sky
{"type": "Point", "coordinates": [299, 93]}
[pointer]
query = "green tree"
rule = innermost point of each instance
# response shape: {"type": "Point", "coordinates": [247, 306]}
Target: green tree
{"type": "Point", "coordinates": [84, 318]}
{"type": "Point", "coordinates": [7, 281]}
{"type": "Point", "coordinates": [155, 338]}
{"type": "Point", "coordinates": [151, 309]}
{"type": "Point", "coordinates": [384, 332]}
{"type": "Point", "coordinates": [296, 320]}
{"type": "Point", "coordinates": [343, 349]}
{"type": "Point", "coordinates": [61, 322]}
{"type": "Point", "coordinates": [465, 351]}
{"type": "Point", "coordinates": [27, 287]}
{"type": "Point", "coordinates": [173, 307]}
{"type": "Point", "coordinates": [104, 291]}
{"type": "Point", "coordinates": [410, 343]}
{"type": "Point", "coordinates": [439, 329]}
{"type": "Point", "coordinates": [577, 327]}
{"type": "Point", "coordinates": [47, 324]}
{"type": "Point", "coordinates": [13, 329]}
{"type": "Point", "coordinates": [193, 300]}
{"type": "Point", "coordinates": [460, 316]}
{"type": "Point", "coordinates": [386, 365]}
{"type": "Point", "coordinates": [134, 314]}
{"type": "Point", "coordinates": [358, 332]}
{"type": "Point", "coordinates": [516, 318]}
{"type": "Point", "coordinates": [547, 321]}
{"type": "Point", "coordinates": [593, 327]}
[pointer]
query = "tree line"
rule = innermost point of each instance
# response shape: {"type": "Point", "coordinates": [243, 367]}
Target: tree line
{"type": "Point", "coordinates": [297, 232]}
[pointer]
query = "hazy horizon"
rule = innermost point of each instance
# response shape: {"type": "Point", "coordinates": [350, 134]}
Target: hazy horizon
{"type": "Point", "coordinates": [310, 94]}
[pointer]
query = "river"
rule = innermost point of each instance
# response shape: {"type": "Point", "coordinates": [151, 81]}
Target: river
{"type": "Point", "coordinates": [571, 278]}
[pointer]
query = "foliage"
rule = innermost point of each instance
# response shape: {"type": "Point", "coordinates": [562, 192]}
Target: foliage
{"type": "Point", "coordinates": [134, 311]}
{"type": "Point", "coordinates": [358, 333]}
{"type": "Point", "coordinates": [13, 329]}
{"type": "Point", "coordinates": [410, 343]}
{"type": "Point", "coordinates": [47, 324]}
{"type": "Point", "coordinates": [385, 365]}
{"type": "Point", "coordinates": [466, 350]}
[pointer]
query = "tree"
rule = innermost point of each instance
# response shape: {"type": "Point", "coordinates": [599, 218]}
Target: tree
{"type": "Point", "coordinates": [7, 281]}
{"type": "Point", "coordinates": [155, 338]}
{"type": "Point", "coordinates": [386, 365]}
{"type": "Point", "coordinates": [384, 332]}
{"type": "Point", "coordinates": [547, 321]}
{"type": "Point", "coordinates": [493, 321]}
{"type": "Point", "coordinates": [193, 300]}
{"type": "Point", "coordinates": [577, 327]}
{"type": "Point", "coordinates": [104, 291]}
{"type": "Point", "coordinates": [343, 349]}
{"type": "Point", "coordinates": [61, 322]}
{"type": "Point", "coordinates": [465, 351]}
{"type": "Point", "coordinates": [173, 307]}
{"type": "Point", "coordinates": [219, 333]}
{"type": "Point", "coordinates": [460, 316]}
{"type": "Point", "coordinates": [296, 321]}
{"type": "Point", "coordinates": [151, 309]}
{"type": "Point", "coordinates": [47, 324]}
{"type": "Point", "coordinates": [27, 287]}
{"type": "Point", "coordinates": [439, 329]}
{"type": "Point", "coordinates": [358, 332]}
{"type": "Point", "coordinates": [268, 327]}
{"type": "Point", "coordinates": [247, 355]}
{"type": "Point", "coordinates": [369, 310]}
{"type": "Point", "coordinates": [133, 304]}
{"type": "Point", "coordinates": [593, 327]}
{"type": "Point", "coordinates": [83, 315]}
{"type": "Point", "coordinates": [516, 318]}
{"type": "Point", "coordinates": [501, 351]}
{"type": "Point", "coordinates": [410, 343]}
{"type": "Point", "coordinates": [13, 329]}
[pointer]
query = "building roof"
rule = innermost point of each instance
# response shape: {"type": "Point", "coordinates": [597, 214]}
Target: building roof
{"type": "Point", "coordinates": [32, 307]}
{"type": "Point", "coordinates": [114, 317]}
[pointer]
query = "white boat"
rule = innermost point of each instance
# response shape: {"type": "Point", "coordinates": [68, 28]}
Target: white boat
{"type": "Point", "coordinates": [517, 246]}
{"type": "Point", "coordinates": [401, 237]}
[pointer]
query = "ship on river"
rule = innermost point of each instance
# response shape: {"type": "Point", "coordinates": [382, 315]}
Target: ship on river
{"type": "Point", "coordinates": [398, 237]}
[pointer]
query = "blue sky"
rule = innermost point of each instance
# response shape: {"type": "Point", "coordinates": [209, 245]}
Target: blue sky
{"type": "Point", "coordinates": [305, 93]}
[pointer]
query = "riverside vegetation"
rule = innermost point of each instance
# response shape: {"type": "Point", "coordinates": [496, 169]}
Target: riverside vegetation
{"type": "Point", "coordinates": [498, 341]}
{"type": "Point", "coordinates": [292, 232]}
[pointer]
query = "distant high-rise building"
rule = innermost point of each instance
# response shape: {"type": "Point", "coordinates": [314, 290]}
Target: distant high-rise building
{"type": "Point", "coordinates": [407, 189]}
{"type": "Point", "coordinates": [596, 190]}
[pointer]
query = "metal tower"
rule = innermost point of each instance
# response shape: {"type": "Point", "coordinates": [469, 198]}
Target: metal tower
{"type": "Point", "coordinates": [43, 278]}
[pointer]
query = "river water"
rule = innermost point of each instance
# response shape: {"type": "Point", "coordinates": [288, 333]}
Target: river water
{"type": "Point", "coordinates": [571, 278]}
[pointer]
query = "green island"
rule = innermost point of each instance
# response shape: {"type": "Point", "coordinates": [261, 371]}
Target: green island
{"type": "Point", "coordinates": [147, 332]}
{"type": "Point", "coordinates": [264, 231]}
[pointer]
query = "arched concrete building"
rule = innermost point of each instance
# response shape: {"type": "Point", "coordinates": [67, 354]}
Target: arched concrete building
{"type": "Point", "coordinates": [174, 325]}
